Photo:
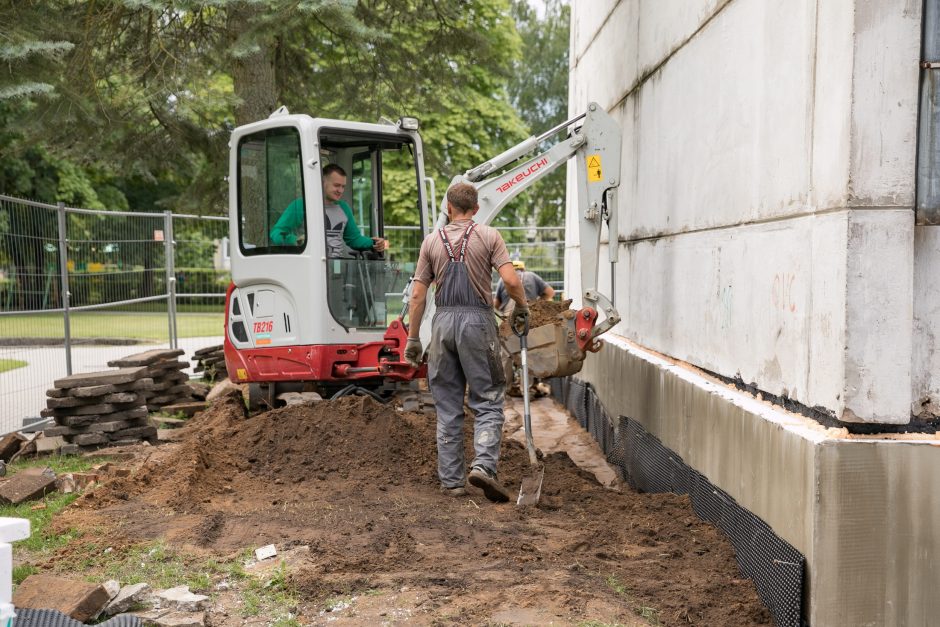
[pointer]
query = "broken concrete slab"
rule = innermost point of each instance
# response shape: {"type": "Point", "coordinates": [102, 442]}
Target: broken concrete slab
{"type": "Point", "coordinates": [126, 598]}
{"type": "Point", "coordinates": [27, 485]}
{"type": "Point", "coordinates": [79, 600]}
{"type": "Point", "coordinates": [142, 384]}
{"type": "Point", "coordinates": [49, 444]}
{"type": "Point", "coordinates": [223, 387]}
{"type": "Point", "coordinates": [123, 375]}
{"type": "Point", "coordinates": [147, 357]}
{"type": "Point", "coordinates": [182, 599]}
{"type": "Point", "coordinates": [88, 439]}
{"type": "Point", "coordinates": [169, 435]}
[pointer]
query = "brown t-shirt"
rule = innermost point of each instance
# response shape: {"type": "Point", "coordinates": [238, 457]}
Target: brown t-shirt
{"type": "Point", "coordinates": [485, 250]}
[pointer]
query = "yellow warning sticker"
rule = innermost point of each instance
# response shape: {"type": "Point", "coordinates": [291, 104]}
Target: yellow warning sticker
{"type": "Point", "coordinates": [595, 172]}
{"type": "Point", "coordinates": [241, 373]}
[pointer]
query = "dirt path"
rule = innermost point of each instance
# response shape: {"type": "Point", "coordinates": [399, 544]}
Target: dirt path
{"type": "Point", "coordinates": [348, 490]}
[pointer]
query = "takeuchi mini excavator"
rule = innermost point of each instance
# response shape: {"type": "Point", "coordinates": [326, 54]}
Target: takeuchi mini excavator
{"type": "Point", "coordinates": [302, 315]}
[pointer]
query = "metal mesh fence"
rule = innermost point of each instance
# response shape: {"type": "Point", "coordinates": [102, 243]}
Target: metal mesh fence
{"type": "Point", "coordinates": [775, 566]}
{"type": "Point", "coordinates": [81, 287]}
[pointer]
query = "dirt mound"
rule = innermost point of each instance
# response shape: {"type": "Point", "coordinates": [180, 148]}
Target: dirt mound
{"type": "Point", "coordinates": [541, 312]}
{"type": "Point", "coordinates": [355, 481]}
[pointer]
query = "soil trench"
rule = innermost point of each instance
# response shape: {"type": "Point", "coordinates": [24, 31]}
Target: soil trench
{"type": "Point", "coordinates": [351, 485]}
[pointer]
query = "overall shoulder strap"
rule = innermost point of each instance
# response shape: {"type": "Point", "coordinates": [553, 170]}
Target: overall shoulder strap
{"type": "Point", "coordinates": [466, 236]}
{"type": "Point", "coordinates": [448, 247]}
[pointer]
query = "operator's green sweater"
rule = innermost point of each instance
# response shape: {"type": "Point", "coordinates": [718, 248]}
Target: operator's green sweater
{"type": "Point", "coordinates": [284, 231]}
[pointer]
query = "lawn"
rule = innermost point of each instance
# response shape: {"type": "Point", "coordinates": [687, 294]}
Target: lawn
{"type": "Point", "coordinates": [101, 324]}
{"type": "Point", "coordinates": [11, 364]}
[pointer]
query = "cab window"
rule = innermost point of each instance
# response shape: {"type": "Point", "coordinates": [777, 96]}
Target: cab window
{"type": "Point", "coordinates": [271, 210]}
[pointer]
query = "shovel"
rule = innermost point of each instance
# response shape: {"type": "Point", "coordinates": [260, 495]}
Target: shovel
{"type": "Point", "coordinates": [531, 487]}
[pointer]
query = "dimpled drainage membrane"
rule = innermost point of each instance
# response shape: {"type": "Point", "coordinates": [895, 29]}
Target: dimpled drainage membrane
{"type": "Point", "coordinates": [775, 567]}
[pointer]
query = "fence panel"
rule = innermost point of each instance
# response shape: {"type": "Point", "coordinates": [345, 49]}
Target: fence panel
{"type": "Point", "coordinates": [111, 298]}
{"type": "Point", "coordinates": [132, 281]}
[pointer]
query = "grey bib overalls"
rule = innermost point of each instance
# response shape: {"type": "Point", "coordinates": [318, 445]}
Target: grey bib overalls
{"type": "Point", "coordinates": [464, 352]}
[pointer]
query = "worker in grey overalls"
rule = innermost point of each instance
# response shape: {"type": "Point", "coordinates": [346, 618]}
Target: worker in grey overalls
{"type": "Point", "coordinates": [464, 351]}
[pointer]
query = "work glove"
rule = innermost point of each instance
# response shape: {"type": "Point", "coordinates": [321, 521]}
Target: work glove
{"type": "Point", "coordinates": [520, 314]}
{"type": "Point", "coordinates": [413, 351]}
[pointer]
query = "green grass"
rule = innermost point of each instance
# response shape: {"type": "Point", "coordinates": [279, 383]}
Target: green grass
{"type": "Point", "coordinates": [10, 364]}
{"type": "Point", "coordinates": [105, 324]}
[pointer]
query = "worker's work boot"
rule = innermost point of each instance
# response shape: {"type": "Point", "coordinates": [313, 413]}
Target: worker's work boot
{"type": "Point", "coordinates": [486, 480]}
{"type": "Point", "coordinates": [454, 491]}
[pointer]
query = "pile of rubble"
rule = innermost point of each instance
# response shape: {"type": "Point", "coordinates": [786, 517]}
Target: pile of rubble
{"type": "Point", "coordinates": [170, 383]}
{"type": "Point", "coordinates": [210, 361]}
{"type": "Point", "coordinates": [95, 409]}
{"type": "Point", "coordinates": [55, 600]}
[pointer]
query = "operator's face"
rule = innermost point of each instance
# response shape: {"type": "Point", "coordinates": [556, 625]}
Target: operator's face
{"type": "Point", "coordinates": [334, 184]}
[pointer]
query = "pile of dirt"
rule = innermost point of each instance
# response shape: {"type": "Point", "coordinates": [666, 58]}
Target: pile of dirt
{"type": "Point", "coordinates": [541, 312]}
{"type": "Point", "coordinates": [355, 481]}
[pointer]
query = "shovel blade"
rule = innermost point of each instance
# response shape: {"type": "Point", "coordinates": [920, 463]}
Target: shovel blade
{"type": "Point", "coordinates": [531, 488]}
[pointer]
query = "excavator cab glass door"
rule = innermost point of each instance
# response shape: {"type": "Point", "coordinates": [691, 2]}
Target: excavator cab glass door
{"type": "Point", "coordinates": [380, 201]}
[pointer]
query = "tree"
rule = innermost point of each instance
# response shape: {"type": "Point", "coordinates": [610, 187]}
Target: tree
{"type": "Point", "coordinates": [539, 92]}
{"type": "Point", "coordinates": [157, 86]}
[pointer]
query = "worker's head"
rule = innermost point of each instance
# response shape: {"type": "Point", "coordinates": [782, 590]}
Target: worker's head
{"type": "Point", "coordinates": [518, 264]}
{"type": "Point", "coordinates": [334, 182]}
{"type": "Point", "coordinates": [462, 200]}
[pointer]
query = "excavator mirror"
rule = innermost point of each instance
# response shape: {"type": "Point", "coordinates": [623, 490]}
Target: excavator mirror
{"type": "Point", "coordinates": [408, 123]}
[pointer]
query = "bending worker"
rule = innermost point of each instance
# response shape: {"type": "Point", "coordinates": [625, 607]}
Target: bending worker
{"type": "Point", "coordinates": [341, 227]}
{"type": "Point", "coordinates": [464, 350]}
{"type": "Point", "coordinates": [535, 287]}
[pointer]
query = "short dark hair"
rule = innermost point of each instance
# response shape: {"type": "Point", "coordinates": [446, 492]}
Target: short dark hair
{"type": "Point", "coordinates": [463, 196]}
{"type": "Point", "coordinates": [331, 168]}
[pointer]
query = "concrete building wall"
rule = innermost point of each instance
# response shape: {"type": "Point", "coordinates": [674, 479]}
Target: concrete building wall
{"type": "Point", "coordinates": [766, 222]}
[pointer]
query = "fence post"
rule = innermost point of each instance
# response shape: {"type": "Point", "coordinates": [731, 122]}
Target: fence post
{"type": "Point", "coordinates": [64, 286]}
{"type": "Point", "coordinates": [170, 252]}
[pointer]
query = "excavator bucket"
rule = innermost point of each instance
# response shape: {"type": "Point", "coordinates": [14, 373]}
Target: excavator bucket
{"type": "Point", "coordinates": [553, 350]}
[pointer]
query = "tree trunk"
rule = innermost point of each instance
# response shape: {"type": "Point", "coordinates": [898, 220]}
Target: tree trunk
{"type": "Point", "coordinates": [253, 75]}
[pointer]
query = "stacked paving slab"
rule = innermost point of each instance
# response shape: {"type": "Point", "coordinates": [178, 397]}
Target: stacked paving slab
{"type": "Point", "coordinates": [210, 361]}
{"type": "Point", "coordinates": [96, 409]}
{"type": "Point", "coordinates": [170, 383]}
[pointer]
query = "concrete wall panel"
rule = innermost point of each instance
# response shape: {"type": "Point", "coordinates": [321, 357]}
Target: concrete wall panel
{"type": "Point", "coordinates": [669, 24]}
{"type": "Point", "coordinates": [879, 316]}
{"type": "Point", "coordinates": [884, 102]}
{"type": "Point", "coordinates": [761, 302]}
{"type": "Point", "coordinates": [719, 145]}
{"type": "Point", "coordinates": [925, 369]}
{"type": "Point", "coordinates": [607, 69]}
{"type": "Point", "coordinates": [586, 20]}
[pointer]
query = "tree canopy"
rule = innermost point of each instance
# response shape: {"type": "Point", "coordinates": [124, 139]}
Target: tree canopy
{"type": "Point", "coordinates": [131, 102]}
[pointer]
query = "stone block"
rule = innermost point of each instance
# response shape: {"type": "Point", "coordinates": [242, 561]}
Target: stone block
{"type": "Point", "coordinates": [146, 358]}
{"type": "Point", "coordinates": [79, 600]}
{"type": "Point", "coordinates": [56, 393]}
{"type": "Point", "coordinates": [207, 350]}
{"type": "Point", "coordinates": [127, 598]}
{"type": "Point", "coordinates": [69, 401]}
{"type": "Point", "coordinates": [123, 375]}
{"type": "Point", "coordinates": [27, 485]}
{"type": "Point", "coordinates": [51, 432]}
{"type": "Point", "coordinates": [121, 397]}
{"type": "Point", "coordinates": [139, 433]}
{"type": "Point", "coordinates": [182, 599]}
{"type": "Point", "coordinates": [89, 439]}
{"type": "Point", "coordinates": [107, 427]}
{"type": "Point", "coordinates": [70, 449]}
{"type": "Point", "coordinates": [49, 444]}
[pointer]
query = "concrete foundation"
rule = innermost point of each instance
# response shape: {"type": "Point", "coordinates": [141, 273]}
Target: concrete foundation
{"type": "Point", "coordinates": [863, 510]}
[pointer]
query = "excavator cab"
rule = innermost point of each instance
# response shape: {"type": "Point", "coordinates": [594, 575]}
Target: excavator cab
{"type": "Point", "coordinates": [310, 300]}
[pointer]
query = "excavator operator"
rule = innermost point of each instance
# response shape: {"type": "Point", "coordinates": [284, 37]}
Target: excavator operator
{"type": "Point", "coordinates": [341, 227]}
{"type": "Point", "coordinates": [464, 350]}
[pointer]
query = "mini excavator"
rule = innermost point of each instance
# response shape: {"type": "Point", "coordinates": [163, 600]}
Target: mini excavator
{"type": "Point", "coordinates": [298, 318]}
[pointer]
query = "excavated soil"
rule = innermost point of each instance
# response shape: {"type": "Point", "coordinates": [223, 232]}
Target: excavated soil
{"type": "Point", "coordinates": [541, 312]}
{"type": "Point", "coordinates": [355, 481]}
